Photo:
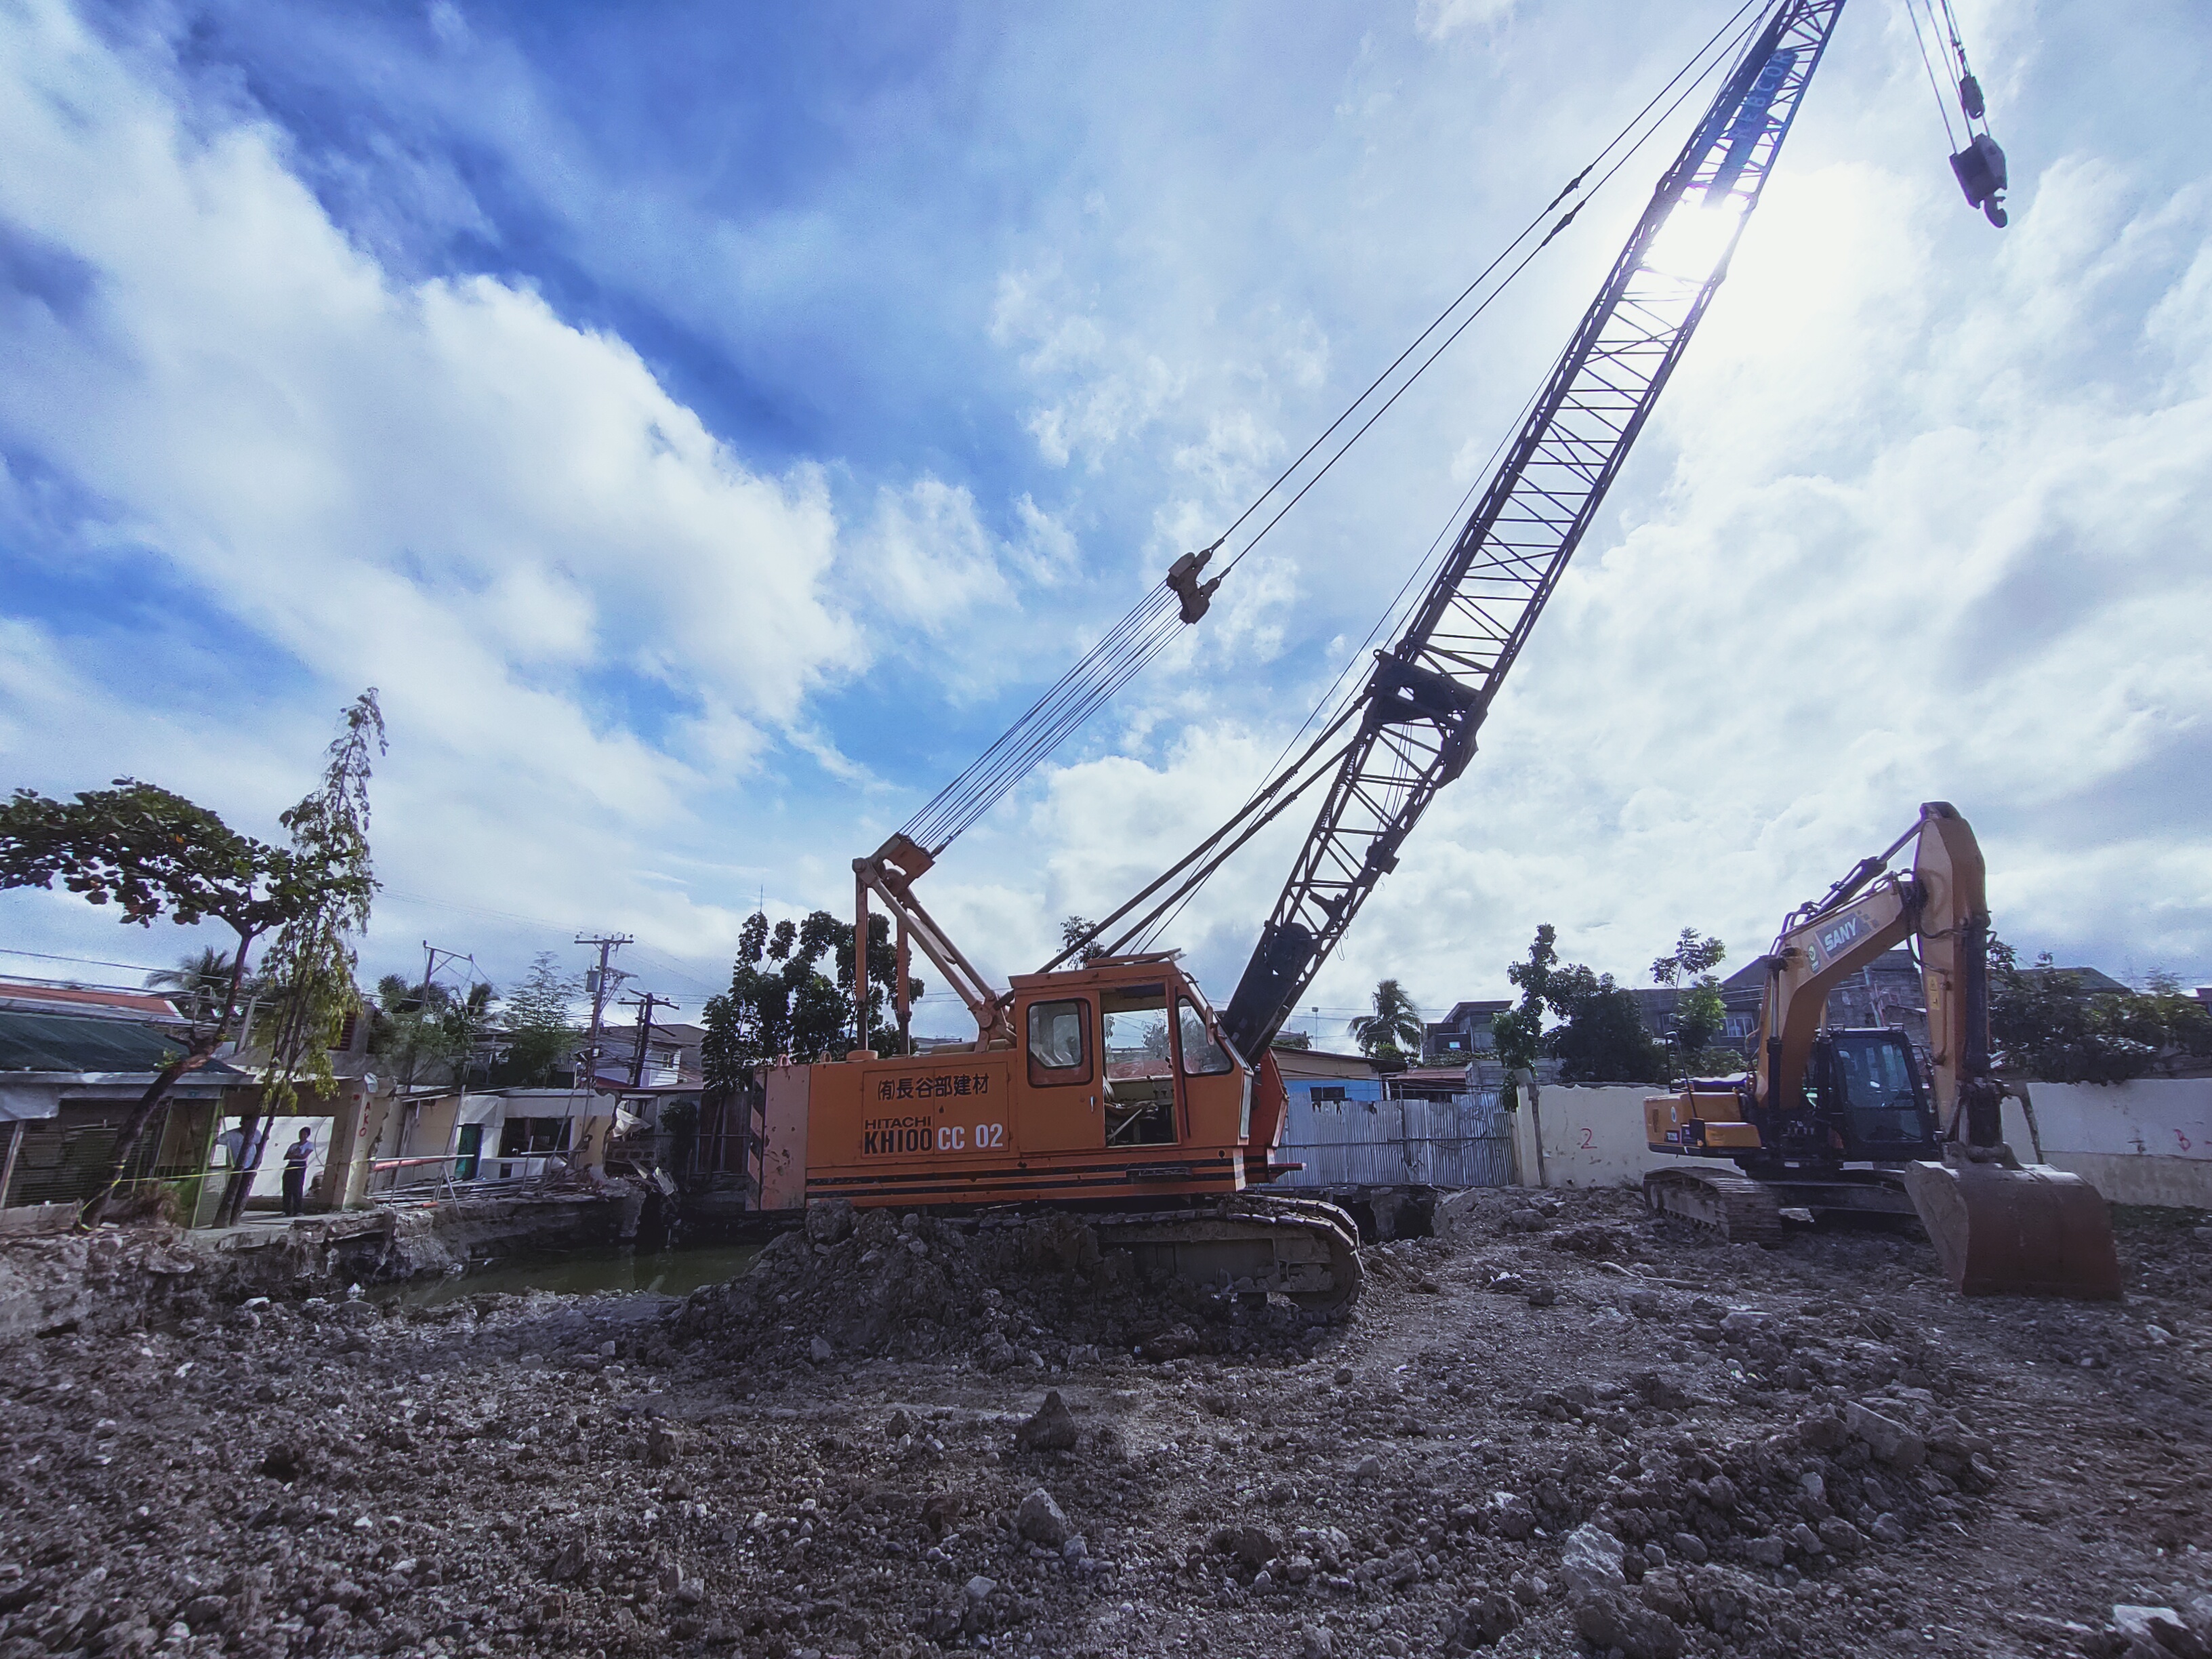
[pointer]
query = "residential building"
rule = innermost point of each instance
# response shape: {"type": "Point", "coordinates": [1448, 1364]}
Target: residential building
{"type": "Point", "coordinates": [1464, 1034]}
{"type": "Point", "coordinates": [74, 1062]}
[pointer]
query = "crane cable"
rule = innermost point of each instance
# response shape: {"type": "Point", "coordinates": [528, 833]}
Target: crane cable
{"type": "Point", "coordinates": [1153, 623]}
{"type": "Point", "coordinates": [1935, 85]}
{"type": "Point", "coordinates": [1332, 707]}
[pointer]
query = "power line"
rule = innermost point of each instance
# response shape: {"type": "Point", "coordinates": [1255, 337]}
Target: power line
{"type": "Point", "coordinates": [89, 962]}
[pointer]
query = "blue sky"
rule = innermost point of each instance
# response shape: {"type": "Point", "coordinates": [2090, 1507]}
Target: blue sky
{"type": "Point", "coordinates": [708, 426]}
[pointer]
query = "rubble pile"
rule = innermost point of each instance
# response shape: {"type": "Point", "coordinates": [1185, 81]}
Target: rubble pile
{"type": "Point", "coordinates": [1008, 1290]}
{"type": "Point", "coordinates": [1643, 1444]}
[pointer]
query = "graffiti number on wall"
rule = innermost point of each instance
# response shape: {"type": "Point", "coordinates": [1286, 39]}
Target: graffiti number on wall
{"type": "Point", "coordinates": [1588, 1144]}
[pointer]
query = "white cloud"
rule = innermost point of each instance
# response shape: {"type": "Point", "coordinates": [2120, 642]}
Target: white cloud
{"type": "Point", "coordinates": [1438, 19]}
{"type": "Point", "coordinates": [440, 488]}
{"type": "Point", "coordinates": [930, 559]}
{"type": "Point", "coordinates": [1917, 516]}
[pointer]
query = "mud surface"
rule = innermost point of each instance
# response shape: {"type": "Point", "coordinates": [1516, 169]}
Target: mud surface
{"type": "Point", "coordinates": [1547, 1432]}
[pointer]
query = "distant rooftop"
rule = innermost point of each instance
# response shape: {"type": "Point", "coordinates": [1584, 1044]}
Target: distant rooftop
{"type": "Point", "coordinates": [98, 1003]}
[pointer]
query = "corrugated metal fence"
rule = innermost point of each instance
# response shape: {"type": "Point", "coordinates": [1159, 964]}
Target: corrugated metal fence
{"type": "Point", "coordinates": [1464, 1141]}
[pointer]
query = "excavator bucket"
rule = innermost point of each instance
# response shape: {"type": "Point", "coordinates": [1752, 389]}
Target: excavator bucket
{"type": "Point", "coordinates": [2007, 1228]}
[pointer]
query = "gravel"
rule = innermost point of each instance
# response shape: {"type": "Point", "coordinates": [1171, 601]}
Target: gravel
{"type": "Point", "coordinates": [633, 1474]}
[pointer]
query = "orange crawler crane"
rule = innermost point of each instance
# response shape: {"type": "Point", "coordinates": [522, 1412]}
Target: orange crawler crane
{"type": "Point", "coordinates": [1109, 1087]}
{"type": "Point", "coordinates": [1107, 1080]}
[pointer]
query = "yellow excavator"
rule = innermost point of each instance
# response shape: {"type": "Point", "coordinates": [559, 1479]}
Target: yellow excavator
{"type": "Point", "coordinates": [1838, 1121]}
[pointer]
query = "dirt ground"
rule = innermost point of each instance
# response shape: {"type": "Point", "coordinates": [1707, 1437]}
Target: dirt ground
{"type": "Point", "coordinates": [1561, 1428]}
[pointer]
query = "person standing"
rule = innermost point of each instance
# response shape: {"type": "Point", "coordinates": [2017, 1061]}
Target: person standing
{"type": "Point", "coordinates": [296, 1157]}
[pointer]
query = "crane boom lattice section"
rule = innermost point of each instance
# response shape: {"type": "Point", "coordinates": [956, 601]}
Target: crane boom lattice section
{"type": "Point", "coordinates": [1428, 695]}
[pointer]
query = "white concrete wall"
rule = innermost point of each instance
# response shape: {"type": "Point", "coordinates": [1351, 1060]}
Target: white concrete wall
{"type": "Point", "coordinates": [2145, 1142]}
{"type": "Point", "coordinates": [1593, 1136]}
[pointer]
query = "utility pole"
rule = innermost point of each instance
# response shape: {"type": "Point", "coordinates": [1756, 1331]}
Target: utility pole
{"type": "Point", "coordinates": [645, 1003]}
{"type": "Point", "coordinates": [599, 984]}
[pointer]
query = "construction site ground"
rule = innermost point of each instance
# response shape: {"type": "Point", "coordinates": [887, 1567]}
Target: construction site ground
{"type": "Point", "coordinates": [1560, 1427]}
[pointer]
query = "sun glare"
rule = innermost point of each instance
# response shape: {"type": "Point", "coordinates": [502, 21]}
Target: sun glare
{"type": "Point", "coordinates": [1696, 235]}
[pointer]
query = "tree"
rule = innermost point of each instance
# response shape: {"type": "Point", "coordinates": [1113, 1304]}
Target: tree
{"type": "Point", "coordinates": [196, 984]}
{"type": "Point", "coordinates": [1701, 1015]}
{"type": "Point", "coordinates": [540, 1037]}
{"type": "Point", "coordinates": [1393, 1030]}
{"type": "Point", "coordinates": [154, 854]}
{"type": "Point", "coordinates": [1518, 1033]}
{"type": "Point", "coordinates": [1693, 954]}
{"type": "Point", "coordinates": [780, 1004]}
{"type": "Point", "coordinates": [1599, 1037]}
{"type": "Point", "coordinates": [1081, 927]}
{"type": "Point", "coordinates": [2045, 1024]}
{"type": "Point", "coordinates": [426, 1029]}
{"type": "Point", "coordinates": [307, 972]}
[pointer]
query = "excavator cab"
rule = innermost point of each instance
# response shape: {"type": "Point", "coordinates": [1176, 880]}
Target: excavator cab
{"type": "Point", "coordinates": [1867, 1097]}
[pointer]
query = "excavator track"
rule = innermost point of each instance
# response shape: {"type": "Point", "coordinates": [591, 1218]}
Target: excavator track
{"type": "Point", "coordinates": [1733, 1206]}
{"type": "Point", "coordinates": [1247, 1245]}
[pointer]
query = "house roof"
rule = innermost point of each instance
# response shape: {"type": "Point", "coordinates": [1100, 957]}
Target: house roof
{"type": "Point", "coordinates": [2094, 981]}
{"type": "Point", "coordinates": [33, 995]}
{"type": "Point", "coordinates": [77, 1042]}
{"type": "Point", "coordinates": [1462, 1011]}
{"type": "Point", "coordinates": [1319, 1062]}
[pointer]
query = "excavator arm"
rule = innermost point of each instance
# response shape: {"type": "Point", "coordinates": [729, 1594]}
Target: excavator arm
{"type": "Point", "coordinates": [1942, 900]}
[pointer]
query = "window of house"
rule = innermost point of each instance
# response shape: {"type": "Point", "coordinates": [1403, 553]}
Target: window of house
{"type": "Point", "coordinates": [1058, 1053]}
{"type": "Point", "coordinates": [1326, 1094]}
{"type": "Point", "coordinates": [525, 1137]}
{"type": "Point", "coordinates": [1139, 1085]}
{"type": "Point", "coordinates": [1201, 1055]}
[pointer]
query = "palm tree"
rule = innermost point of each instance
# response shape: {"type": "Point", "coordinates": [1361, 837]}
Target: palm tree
{"type": "Point", "coordinates": [197, 984]}
{"type": "Point", "coordinates": [1393, 1031]}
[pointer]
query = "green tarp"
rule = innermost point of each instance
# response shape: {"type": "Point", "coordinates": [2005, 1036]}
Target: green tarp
{"type": "Point", "coordinates": [64, 1043]}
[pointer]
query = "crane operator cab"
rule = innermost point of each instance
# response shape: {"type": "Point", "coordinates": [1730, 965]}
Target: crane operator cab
{"type": "Point", "coordinates": [1865, 1100]}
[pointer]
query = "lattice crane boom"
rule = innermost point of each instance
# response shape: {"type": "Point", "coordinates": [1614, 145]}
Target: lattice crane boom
{"type": "Point", "coordinates": [1427, 695]}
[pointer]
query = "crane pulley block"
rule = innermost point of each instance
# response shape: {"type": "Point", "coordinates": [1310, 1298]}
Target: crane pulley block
{"type": "Point", "coordinates": [1981, 172]}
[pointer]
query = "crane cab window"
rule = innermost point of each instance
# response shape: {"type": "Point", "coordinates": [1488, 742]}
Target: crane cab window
{"type": "Point", "coordinates": [1139, 1084]}
{"type": "Point", "coordinates": [1058, 1053]}
{"type": "Point", "coordinates": [1201, 1055]}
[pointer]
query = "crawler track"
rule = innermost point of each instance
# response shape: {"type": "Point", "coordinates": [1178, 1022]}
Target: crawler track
{"type": "Point", "coordinates": [1300, 1248]}
{"type": "Point", "coordinates": [1733, 1206]}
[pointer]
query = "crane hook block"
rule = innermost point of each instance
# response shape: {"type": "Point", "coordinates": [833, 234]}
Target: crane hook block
{"type": "Point", "coordinates": [1182, 577]}
{"type": "Point", "coordinates": [1981, 172]}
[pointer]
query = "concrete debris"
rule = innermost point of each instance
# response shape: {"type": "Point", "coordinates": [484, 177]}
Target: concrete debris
{"type": "Point", "coordinates": [1041, 1521]}
{"type": "Point", "coordinates": [1009, 1294]}
{"type": "Point", "coordinates": [1053, 1428]}
{"type": "Point", "coordinates": [1590, 1561]}
{"type": "Point", "coordinates": [1451, 1472]}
